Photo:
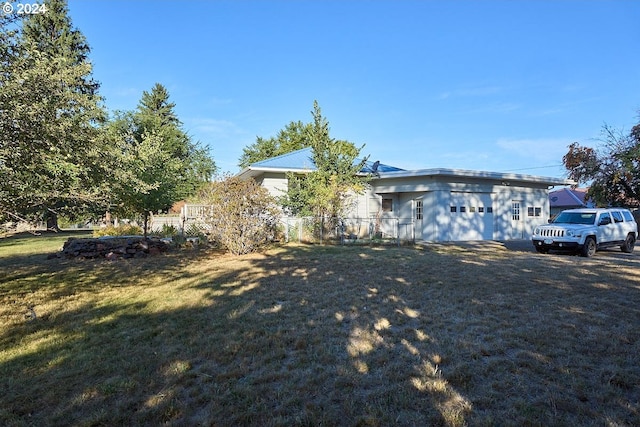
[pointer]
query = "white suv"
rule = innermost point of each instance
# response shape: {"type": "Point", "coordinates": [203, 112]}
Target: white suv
{"type": "Point", "coordinates": [586, 230]}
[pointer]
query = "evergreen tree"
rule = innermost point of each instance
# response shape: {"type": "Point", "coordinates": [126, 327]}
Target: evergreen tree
{"type": "Point", "coordinates": [156, 114]}
{"type": "Point", "coordinates": [49, 142]}
{"type": "Point", "coordinates": [325, 191]}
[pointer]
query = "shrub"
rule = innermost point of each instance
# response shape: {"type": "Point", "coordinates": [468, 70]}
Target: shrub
{"type": "Point", "coordinates": [168, 231]}
{"type": "Point", "coordinates": [120, 230]}
{"type": "Point", "coordinates": [243, 217]}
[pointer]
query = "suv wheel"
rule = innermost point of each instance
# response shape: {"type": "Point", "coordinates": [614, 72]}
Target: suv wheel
{"type": "Point", "coordinates": [628, 244]}
{"type": "Point", "coordinates": [589, 248]}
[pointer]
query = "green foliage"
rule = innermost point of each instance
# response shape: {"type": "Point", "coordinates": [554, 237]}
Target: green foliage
{"type": "Point", "coordinates": [293, 137]}
{"type": "Point", "coordinates": [50, 153]}
{"type": "Point", "coordinates": [120, 230]}
{"type": "Point", "coordinates": [156, 164]}
{"type": "Point", "coordinates": [612, 172]}
{"type": "Point", "coordinates": [168, 231]}
{"type": "Point", "coordinates": [243, 217]}
{"type": "Point", "coordinates": [325, 192]}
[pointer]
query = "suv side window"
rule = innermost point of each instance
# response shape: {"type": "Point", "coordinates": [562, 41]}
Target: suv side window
{"type": "Point", "coordinates": [604, 219]}
{"type": "Point", "coordinates": [627, 216]}
{"type": "Point", "coordinates": [617, 216]}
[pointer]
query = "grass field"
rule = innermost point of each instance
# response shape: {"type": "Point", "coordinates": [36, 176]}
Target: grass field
{"type": "Point", "coordinates": [317, 335]}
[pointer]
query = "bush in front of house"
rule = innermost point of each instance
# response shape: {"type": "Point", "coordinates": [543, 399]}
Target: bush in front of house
{"type": "Point", "coordinates": [243, 217]}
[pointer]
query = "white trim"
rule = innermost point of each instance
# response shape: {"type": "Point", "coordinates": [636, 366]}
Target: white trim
{"type": "Point", "coordinates": [463, 173]}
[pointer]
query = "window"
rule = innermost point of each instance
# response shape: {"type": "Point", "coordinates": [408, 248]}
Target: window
{"type": "Point", "coordinates": [605, 219]}
{"type": "Point", "coordinates": [480, 209]}
{"type": "Point", "coordinates": [454, 209]}
{"type": "Point", "coordinates": [617, 216]}
{"type": "Point", "coordinates": [534, 211]}
{"type": "Point", "coordinates": [627, 216]}
{"type": "Point", "coordinates": [387, 205]}
{"type": "Point", "coordinates": [515, 211]}
{"type": "Point", "coordinates": [418, 209]}
{"type": "Point", "coordinates": [472, 209]}
{"type": "Point", "coordinates": [490, 209]}
{"type": "Point", "coordinates": [463, 209]}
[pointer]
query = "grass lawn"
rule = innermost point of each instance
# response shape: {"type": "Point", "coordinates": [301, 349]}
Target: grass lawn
{"type": "Point", "coordinates": [317, 335]}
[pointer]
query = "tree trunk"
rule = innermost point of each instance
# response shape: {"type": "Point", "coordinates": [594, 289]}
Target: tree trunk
{"type": "Point", "coordinates": [52, 221]}
{"type": "Point", "coordinates": [146, 223]}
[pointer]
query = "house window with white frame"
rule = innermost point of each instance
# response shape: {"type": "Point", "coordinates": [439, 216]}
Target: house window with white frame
{"type": "Point", "coordinates": [534, 211]}
{"type": "Point", "coordinates": [515, 211]}
{"type": "Point", "coordinates": [418, 209]}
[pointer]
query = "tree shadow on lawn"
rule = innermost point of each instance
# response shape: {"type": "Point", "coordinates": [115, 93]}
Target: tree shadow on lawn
{"type": "Point", "coordinates": [16, 240]}
{"type": "Point", "coordinates": [340, 336]}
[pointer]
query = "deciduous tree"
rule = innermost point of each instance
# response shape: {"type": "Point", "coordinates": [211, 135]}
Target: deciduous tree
{"type": "Point", "coordinates": [612, 171]}
{"type": "Point", "coordinates": [156, 164]}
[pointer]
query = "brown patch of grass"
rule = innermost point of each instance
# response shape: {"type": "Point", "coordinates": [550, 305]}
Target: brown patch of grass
{"type": "Point", "coordinates": [447, 335]}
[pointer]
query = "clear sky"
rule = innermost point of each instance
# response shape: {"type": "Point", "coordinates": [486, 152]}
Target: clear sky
{"type": "Point", "coordinates": [486, 85]}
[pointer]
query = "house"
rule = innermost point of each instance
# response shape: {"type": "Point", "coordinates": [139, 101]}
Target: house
{"type": "Point", "coordinates": [568, 198]}
{"type": "Point", "coordinates": [431, 204]}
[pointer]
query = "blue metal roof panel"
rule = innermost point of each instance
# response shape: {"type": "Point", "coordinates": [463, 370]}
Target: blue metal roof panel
{"type": "Point", "coordinates": [303, 160]}
{"type": "Point", "coordinates": [369, 168]}
{"type": "Point", "coordinates": [300, 159]}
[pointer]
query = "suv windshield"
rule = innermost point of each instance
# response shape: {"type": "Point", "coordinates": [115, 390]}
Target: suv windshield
{"type": "Point", "coordinates": [575, 218]}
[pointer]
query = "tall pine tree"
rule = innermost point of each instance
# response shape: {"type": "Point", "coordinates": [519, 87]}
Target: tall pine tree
{"type": "Point", "coordinates": [324, 193]}
{"type": "Point", "coordinates": [50, 153]}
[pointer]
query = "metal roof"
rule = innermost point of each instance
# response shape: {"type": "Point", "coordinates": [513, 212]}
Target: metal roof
{"type": "Point", "coordinates": [296, 160]}
{"type": "Point", "coordinates": [568, 197]}
{"type": "Point", "coordinates": [463, 173]}
{"type": "Point", "coordinates": [302, 161]}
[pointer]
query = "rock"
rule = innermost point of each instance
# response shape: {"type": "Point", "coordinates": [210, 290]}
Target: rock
{"type": "Point", "coordinates": [113, 247]}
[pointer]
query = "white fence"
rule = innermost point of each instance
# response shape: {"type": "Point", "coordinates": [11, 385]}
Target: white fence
{"type": "Point", "coordinates": [191, 217]}
{"type": "Point", "coordinates": [306, 229]}
{"type": "Point", "coordinates": [344, 230]}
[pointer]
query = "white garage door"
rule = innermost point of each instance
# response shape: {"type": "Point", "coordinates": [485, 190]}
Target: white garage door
{"type": "Point", "coordinates": [471, 216]}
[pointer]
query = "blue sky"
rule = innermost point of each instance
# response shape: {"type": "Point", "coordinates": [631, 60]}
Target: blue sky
{"type": "Point", "coordinates": [486, 85]}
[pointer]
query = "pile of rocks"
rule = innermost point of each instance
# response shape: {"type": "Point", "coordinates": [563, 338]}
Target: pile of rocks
{"type": "Point", "coordinates": [113, 247]}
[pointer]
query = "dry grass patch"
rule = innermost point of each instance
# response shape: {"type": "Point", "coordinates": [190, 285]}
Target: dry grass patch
{"type": "Point", "coordinates": [447, 335]}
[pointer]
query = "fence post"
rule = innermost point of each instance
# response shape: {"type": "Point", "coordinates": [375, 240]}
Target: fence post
{"type": "Point", "coordinates": [183, 216]}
